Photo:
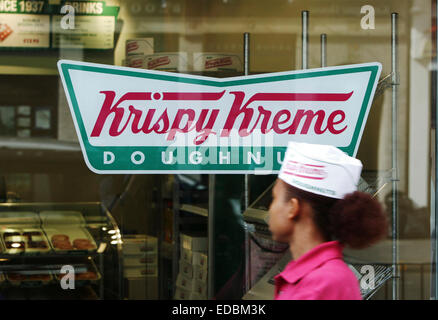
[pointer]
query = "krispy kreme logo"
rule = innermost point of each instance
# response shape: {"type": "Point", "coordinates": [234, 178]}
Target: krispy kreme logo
{"type": "Point", "coordinates": [132, 46]}
{"type": "Point", "coordinates": [219, 62]}
{"type": "Point", "coordinates": [158, 62]}
{"type": "Point", "coordinates": [305, 170]}
{"type": "Point", "coordinates": [245, 114]}
{"type": "Point", "coordinates": [136, 63]}
{"type": "Point", "coordinates": [140, 121]}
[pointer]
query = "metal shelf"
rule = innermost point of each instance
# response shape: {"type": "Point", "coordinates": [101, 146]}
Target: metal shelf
{"type": "Point", "coordinates": [196, 209]}
{"type": "Point", "coordinates": [39, 144]}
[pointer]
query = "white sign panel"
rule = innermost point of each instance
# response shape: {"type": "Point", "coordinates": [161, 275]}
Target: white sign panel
{"type": "Point", "coordinates": [24, 30]}
{"type": "Point", "coordinates": [132, 120]}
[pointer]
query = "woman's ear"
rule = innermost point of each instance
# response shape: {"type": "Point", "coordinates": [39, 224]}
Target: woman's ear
{"type": "Point", "coordinates": [294, 208]}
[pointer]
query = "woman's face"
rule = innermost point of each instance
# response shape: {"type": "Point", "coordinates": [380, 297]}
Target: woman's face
{"type": "Point", "coordinates": [280, 223]}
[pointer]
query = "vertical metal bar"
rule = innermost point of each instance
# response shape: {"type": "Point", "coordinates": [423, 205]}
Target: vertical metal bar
{"type": "Point", "coordinates": [246, 182]}
{"type": "Point", "coordinates": [162, 207]}
{"type": "Point", "coordinates": [304, 39]}
{"type": "Point", "coordinates": [395, 82]}
{"type": "Point", "coordinates": [160, 235]}
{"type": "Point", "coordinates": [434, 185]}
{"type": "Point", "coordinates": [246, 72]}
{"type": "Point", "coordinates": [246, 53]}
{"type": "Point", "coordinates": [323, 50]}
{"type": "Point", "coordinates": [211, 236]}
{"type": "Point", "coordinates": [176, 246]}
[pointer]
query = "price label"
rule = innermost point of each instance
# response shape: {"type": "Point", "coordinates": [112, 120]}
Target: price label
{"type": "Point", "coordinates": [24, 30]}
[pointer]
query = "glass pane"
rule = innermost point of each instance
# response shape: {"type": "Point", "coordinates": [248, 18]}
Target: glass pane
{"type": "Point", "coordinates": [190, 236]}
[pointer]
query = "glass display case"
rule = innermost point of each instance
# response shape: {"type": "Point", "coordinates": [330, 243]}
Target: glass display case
{"type": "Point", "coordinates": [48, 249]}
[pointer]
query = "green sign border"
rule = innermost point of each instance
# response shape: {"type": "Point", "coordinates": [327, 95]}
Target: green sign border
{"type": "Point", "coordinates": [93, 155]}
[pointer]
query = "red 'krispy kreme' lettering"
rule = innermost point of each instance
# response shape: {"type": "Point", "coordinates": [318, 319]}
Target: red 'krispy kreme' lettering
{"type": "Point", "coordinates": [282, 116]}
{"type": "Point", "coordinates": [158, 62]}
{"type": "Point", "coordinates": [162, 125]}
{"type": "Point", "coordinates": [219, 62]}
{"type": "Point", "coordinates": [305, 170]}
{"type": "Point", "coordinates": [136, 63]}
{"type": "Point", "coordinates": [132, 46]}
{"type": "Point", "coordinates": [108, 108]}
{"type": "Point", "coordinates": [203, 120]}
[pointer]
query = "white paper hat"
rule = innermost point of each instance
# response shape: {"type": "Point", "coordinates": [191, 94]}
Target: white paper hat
{"type": "Point", "coordinates": [320, 169]}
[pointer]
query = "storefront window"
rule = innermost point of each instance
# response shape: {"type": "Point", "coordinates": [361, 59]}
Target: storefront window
{"type": "Point", "coordinates": [202, 235]}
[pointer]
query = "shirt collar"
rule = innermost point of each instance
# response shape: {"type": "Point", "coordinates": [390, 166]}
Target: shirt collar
{"type": "Point", "coordinates": [312, 259]}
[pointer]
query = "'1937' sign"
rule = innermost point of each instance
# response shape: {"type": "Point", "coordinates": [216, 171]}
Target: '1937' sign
{"type": "Point", "coordinates": [143, 121]}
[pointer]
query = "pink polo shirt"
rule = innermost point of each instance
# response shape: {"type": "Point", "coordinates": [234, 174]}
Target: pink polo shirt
{"type": "Point", "coordinates": [319, 274]}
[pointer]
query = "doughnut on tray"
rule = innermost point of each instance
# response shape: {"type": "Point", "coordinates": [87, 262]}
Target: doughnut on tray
{"type": "Point", "coordinates": [29, 278]}
{"type": "Point", "coordinates": [84, 273]}
{"type": "Point", "coordinates": [73, 239]}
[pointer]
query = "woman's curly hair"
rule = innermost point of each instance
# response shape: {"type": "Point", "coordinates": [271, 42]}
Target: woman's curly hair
{"type": "Point", "coordinates": [357, 220]}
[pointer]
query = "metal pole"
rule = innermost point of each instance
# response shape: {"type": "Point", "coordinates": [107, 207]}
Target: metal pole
{"type": "Point", "coordinates": [211, 236]}
{"type": "Point", "coordinates": [246, 53]}
{"type": "Point", "coordinates": [246, 72]}
{"type": "Point", "coordinates": [323, 50]}
{"type": "Point", "coordinates": [304, 38]}
{"type": "Point", "coordinates": [176, 232]}
{"type": "Point", "coordinates": [434, 184]}
{"type": "Point", "coordinates": [247, 249]}
{"type": "Point", "coordinates": [394, 68]}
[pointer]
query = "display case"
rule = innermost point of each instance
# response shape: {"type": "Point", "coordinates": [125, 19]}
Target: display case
{"type": "Point", "coordinates": [41, 243]}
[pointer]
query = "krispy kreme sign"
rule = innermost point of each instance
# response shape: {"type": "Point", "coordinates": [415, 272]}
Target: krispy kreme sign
{"type": "Point", "coordinates": [219, 62]}
{"type": "Point", "coordinates": [144, 121]}
{"type": "Point", "coordinates": [158, 62]}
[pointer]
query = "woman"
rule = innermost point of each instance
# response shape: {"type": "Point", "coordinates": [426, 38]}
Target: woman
{"type": "Point", "coordinates": [317, 210]}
